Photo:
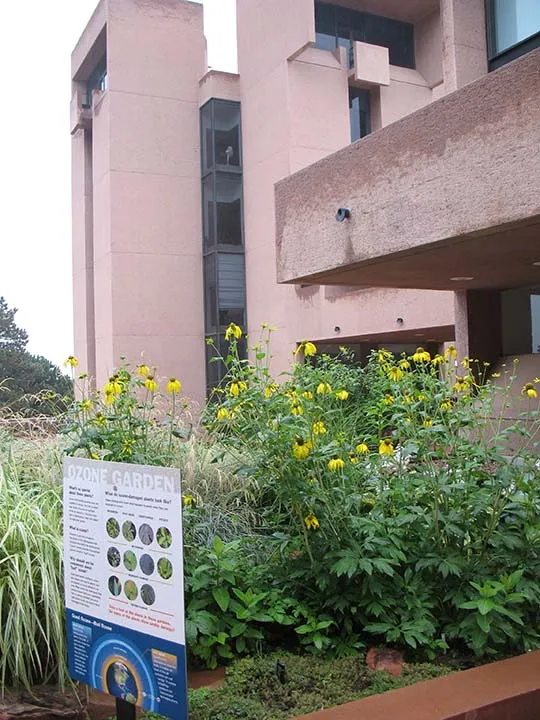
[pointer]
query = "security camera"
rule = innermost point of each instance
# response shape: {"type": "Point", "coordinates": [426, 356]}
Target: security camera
{"type": "Point", "coordinates": [343, 214]}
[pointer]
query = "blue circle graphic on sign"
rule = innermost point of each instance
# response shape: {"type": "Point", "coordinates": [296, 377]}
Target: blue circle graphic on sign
{"type": "Point", "coordinates": [118, 668]}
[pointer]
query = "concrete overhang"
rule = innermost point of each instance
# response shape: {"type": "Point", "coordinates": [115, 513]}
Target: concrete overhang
{"type": "Point", "coordinates": [446, 198]}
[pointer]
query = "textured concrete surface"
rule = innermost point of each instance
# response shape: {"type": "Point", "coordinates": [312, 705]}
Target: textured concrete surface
{"type": "Point", "coordinates": [466, 165]}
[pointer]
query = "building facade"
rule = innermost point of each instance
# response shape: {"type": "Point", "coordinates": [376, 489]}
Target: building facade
{"type": "Point", "coordinates": [202, 198]}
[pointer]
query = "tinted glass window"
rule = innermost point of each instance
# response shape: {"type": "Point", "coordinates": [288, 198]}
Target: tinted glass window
{"type": "Point", "coordinates": [360, 113]}
{"type": "Point", "coordinates": [228, 209]}
{"type": "Point", "coordinates": [207, 138]}
{"type": "Point", "coordinates": [349, 25]}
{"type": "Point", "coordinates": [209, 214]}
{"type": "Point", "coordinates": [512, 22]}
{"type": "Point", "coordinates": [227, 133]}
{"type": "Point", "coordinates": [210, 292]}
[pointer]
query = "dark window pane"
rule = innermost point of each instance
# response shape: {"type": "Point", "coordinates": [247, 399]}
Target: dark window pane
{"type": "Point", "coordinates": [210, 293]}
{"type": "Point", "coordinates": [97, 80]}
{"type": "Point", "coordinates": [207, 137]}
{"type": "Point", "coordinates": [228, 209]}
{"type": "Point", "coordinates": [512, 22]}
{"type": "Point", "coordinates": [360, 113]}
{"type": "Point", "coordinates": [350, 25]}
{"type": "Point", "coordinates": [397, 36]}
{"type": "Point", "coordinates": [227, 133]}
{"type": "Point", "coordinates": [231, 281]}
{"type": "Point", "coordinates": [215, 369]}
{"type": "Point", "coordinates": [209, 214]}
{"type": "Point", "coordinates": [325, 42]}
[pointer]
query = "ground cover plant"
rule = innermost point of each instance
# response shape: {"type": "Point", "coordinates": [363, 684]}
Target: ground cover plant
{"type": "Point", "coordinates": [328, 510]}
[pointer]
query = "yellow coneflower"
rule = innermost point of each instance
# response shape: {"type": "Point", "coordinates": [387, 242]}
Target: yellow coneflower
{"type": "Point", "coordinates": [383, 356]}
{"type": "Point", "coordinates": [420, 397]}
{"type": "Point", "coordinates": [323, 388]}
{"type": "Point", "coordinates": [150, 383]}
{"type": "Point", "coordinates": [407, 399]}
{"type": "Point", "coordinates": [388, 399]}
{"type": "Point", "coordinates": [307, 347]}
{"type": "Point", "coordinates": [100, 419]}
{"type": "Point", "coordinates": [296, 407]}
{"type": "Point", "coordinates": [336, 464]}
{"type": "Point", "coordinates": [110, 397]}
{"type": "Point", "coordinates": [461, 384]}
{"type": "Point", "coordinates": [311, 522]}
{"type": "Point", "coordinates": [447, 404]}
{"type": "Point", "coordinates": [428, 423]}
{"type": "Point", "coordinates": [386, 447]}
{"type": "Point", "coordinates": [421, 355]}
{"type": "Point", "coordinates": [113, 386]}
{"type": "Point", "coordinates": [143, 370]}
{"type": "Point", "coordinates": [450, 353]}
{"type": "Point", "coordinates": [342, 394]}
{"type": "Point", "coordinates": [301, 448]}
{"type": "Point", "coordinates": [236, 387]}
{"type": "Point", "coordinates": [189, 500]}
{"type": "Point", "coordinates": [233, 331]}
{"type": "Point", "coordinates": [529, 391]}
{"type": "Point", "coordinates": [404, 364]}
{"type": "Point", "coordinates": [437, 360]}
{"type": "Point", "coordinates": [223, 414]}
{"type": "Point", "coordinates": [174, 386]}
{"type": "Point", "coordinates": [395, 373]}
{"type": "Point", "coordinates": [85, 405]}
{"type": "Point", "coordinates": [307, 394]}
{"type": "Point", "coordinates": [269, 390]}
{"type": "Point", "coordinates": [362, 449]}
{"type": "Point", "coordinates": [71, 360]}
{"type": "Point", "coordinates": [495, 375]}
{"type": "Point", "coordinates": [319, 428]}
{"type": "Point", "coordinates": [353, 457]}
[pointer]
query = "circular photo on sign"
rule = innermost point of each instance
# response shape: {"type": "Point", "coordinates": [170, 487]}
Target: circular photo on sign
{"type": "Point", "coordinates": [129, 531]}
{"type": "Point", "coordinates": [146, 534]}
{"type": "Point", "coordinates": [130, 590]}
{"type": "Point", "coordinates": [115, 586]}
{"type": "Point", "coordinates": [148, 595]}
{"type": "Point", "coordinates": [121, 683]}
{"type": "Point", "coordinates": [130, 560]}
{"type": "Point", "coordinates": [164, 568]}
{"type": "Point", "coordinates": [164, 537]}
{"type": "Point", "coordinates": [113, 528]}
{"type": "Point", "coordinates": [147, 564]}
{"type": "Point", "coordinates": [113, 556]}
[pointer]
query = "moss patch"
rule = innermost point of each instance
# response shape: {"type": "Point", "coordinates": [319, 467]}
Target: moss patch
{"type": "Point", "coordinates": [257, 689]}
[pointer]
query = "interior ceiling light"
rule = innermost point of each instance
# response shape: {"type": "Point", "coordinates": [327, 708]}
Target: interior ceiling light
{"type": "Point", "coordinates": [461, 278]}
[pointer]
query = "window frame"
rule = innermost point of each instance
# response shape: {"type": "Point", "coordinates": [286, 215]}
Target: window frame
{"type": "Point", "coordinates": [522, 47]}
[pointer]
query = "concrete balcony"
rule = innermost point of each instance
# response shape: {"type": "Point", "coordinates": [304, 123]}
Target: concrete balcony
{"type": "Point", "coordinates": [371, 66]}
{"type": "Point", "coordinates": [446, 198]}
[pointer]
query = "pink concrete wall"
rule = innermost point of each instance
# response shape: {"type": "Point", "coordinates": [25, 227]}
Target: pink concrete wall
{"type": "Point", "coordinates": [294, 113]}
{"type": "Point", "coordinates": [146, 191]}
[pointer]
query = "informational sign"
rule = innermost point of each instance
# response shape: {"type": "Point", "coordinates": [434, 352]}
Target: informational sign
{"type": "Point", "coordinates": [124, 582]}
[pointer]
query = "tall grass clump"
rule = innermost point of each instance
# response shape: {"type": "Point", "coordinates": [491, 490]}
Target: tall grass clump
{"type": "Point", "coordinates": [32, 639]}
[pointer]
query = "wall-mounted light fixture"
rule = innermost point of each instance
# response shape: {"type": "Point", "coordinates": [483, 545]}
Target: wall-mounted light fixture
{"type": "Point", "coordinates": [337, 329]}
{"type": "Point", "coordinates": [399, 321]}
{"type": "Point", "coordinates": [343, 214]}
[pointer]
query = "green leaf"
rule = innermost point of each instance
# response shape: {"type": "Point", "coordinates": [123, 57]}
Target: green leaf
{"type": "Point", "coordinates": [222, 597]}
{"type": "Point", "coordinates": [218, 545]}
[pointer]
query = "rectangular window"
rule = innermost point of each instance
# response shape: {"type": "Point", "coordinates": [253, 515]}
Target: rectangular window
{"type": "Point", "coordinates": [97, 80]}
{"type": "Point", "coordinates": [210, 293]}
{"type": "Point", "coordinates": [346, 26]}
{"type": "Point", "coordinates": [231, 288]}
{"type": "Point", "coordinates": [228, 209]}
{"type": "Point", "coordinates": [360, 113]}
{"type": "Point", "coordinates": [513, 29]}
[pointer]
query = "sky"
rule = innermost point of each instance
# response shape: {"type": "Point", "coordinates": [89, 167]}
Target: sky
{"type": "Point", "coordinates": [36, 39]}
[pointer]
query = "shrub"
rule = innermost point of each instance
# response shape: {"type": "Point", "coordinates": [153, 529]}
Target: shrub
{"type": "Point", "coordinates": [391, 497]}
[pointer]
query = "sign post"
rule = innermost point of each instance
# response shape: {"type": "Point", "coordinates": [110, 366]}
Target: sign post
{"type": "Point", "coordinates": [124, 584]}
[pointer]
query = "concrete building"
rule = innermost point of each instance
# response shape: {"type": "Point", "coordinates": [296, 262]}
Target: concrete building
{"type": "Point", "coordinates": [406, 113]}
